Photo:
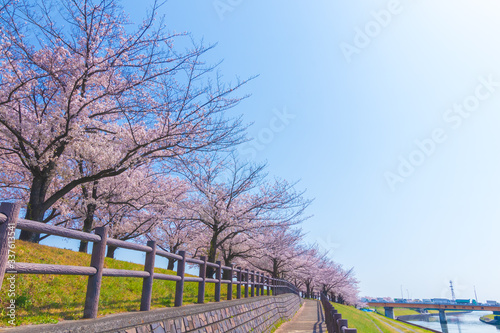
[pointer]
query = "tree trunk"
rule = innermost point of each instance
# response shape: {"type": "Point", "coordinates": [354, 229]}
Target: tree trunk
{"type": "Point", "coordinates": [171, 263]}
{"type": "Point", "coordinates": [226, 275]}
{"type": "Point", "coordinates": [111, 251]}
{"type": "Point", "coordinates": [36, 210]}
{"type": "Point", "coordinates": [212, 252]}
{"type": "Point", "coordinates": [275, 269]}
{"type": "Point", "coordinates": [88, 223]}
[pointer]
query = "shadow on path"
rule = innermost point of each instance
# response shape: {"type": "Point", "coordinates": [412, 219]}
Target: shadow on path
{"type": "Point", "coordinates": [310, 318]}
{"type": "Point", "coordinates": [318, 326]}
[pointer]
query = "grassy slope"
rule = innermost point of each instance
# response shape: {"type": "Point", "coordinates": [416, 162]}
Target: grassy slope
{"type": "Point", "coordinates": [488, 318]}
{"type": "Point", "coordinates": [51, 298]}
{"type": "Point", "coordinates": [368, 322]}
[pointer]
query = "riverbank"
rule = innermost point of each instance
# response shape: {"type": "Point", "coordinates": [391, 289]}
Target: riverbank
{"type": "Point", "coordinates": [491, 319]}
{"type": "Point", "coordinates": [370, 322]}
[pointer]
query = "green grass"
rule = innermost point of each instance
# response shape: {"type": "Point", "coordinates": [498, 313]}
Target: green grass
{"type": "Point", "coordinates": [367, 322]}
{"type": "Point", "coordinates": [277, 325]}
{"type": "Point", "coordinates": [488, 318]}
{"type": "Point", "coordinates": [51, 298]}
{"type": "Point", "coordinates": [280, 322]}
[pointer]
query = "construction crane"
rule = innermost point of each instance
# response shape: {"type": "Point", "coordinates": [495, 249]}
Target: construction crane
{"type": "Point", "coordinates": [452, 291]}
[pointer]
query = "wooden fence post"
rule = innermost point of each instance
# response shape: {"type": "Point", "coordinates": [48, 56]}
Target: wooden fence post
{"type": "Point", "coordinates": [332, 319]}
{"type": "Point", "coordinates": [262, 282]}
{"type": "Point", "coordinates": [246, 284]}
{"type": "Point", "coordinates": [8, 237]}
{"type": "Point", "coordinates": [257, 284]}
{"type": "Point", "coordinates": [94, 281]}
{"type": "Point", "coordinates": [268, 285]}
{"type": "Point", "coordinates": [336, 318]}
{"type": "Point", "coordinates": [201, 285]}
{"type": "Point", "coordinates": [252, 286]}
{"type": "Point", "coordinates": [342, 323]}
{"type": "Point", "coordinates": [147, 283]}
{"type": "Point", "coordinates": [230, 285]}
{"type": "Point", "coordinates": [218, 276]}
{"type": "Point", "coordinates": [179, 285]}
{"type": "Point", "coordinates": [238, 286]}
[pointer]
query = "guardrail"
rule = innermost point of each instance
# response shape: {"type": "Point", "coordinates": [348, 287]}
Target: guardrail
{"type": "Point", "coordinates": [333, 319]}
{"type": "Point", "coordinates": [254, 283]}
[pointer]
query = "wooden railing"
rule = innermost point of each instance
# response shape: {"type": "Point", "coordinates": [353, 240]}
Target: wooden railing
{"type": "Point", "coordinates": [254, 283]}
{"type": "Point", "coordinates": [333, 319]}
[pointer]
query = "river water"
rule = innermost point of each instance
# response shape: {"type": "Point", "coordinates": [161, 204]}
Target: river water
{"type": "Point", "coordinates": [465, 323]}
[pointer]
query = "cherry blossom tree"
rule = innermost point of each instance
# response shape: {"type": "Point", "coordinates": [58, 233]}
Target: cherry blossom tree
{"type": "Point", "coordinates": [332, 277]}
{"type": "Point", "coordinates": [176, 231]}
{"type": "Point", "coordinates": [131, 204]}
{"type": "Point", "coordinates": [233, 199]}
{"type": "Point", "coordinates": [277, 250]}
{"type": "Point", "coordinates": [241, 246]}
{"type": "Point", "coordinates": [76, 86]}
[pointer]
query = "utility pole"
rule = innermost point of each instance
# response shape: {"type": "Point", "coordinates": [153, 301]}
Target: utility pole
{"type": "Point", "coordinates": [452, 291]}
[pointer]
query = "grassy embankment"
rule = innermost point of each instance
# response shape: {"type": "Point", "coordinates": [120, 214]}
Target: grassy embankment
{"type": "Point", "coordinates": [51, 298]}
{"type": "Point", "coordinates": [370, 322]}
{"type": "Point", "coordinates": [490, 319]}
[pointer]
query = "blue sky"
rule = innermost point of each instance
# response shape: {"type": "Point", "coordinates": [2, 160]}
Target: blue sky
{"type": "Point", "coordinates": [343, 122]}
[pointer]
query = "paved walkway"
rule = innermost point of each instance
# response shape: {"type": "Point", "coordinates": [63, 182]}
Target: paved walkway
{"type": "Point", "coordinates": [309, 318]}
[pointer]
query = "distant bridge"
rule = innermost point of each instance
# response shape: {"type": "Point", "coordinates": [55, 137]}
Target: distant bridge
{"type": "Point", "coordinates": [442, 307]}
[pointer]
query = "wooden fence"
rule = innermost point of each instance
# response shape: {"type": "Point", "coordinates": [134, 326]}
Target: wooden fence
{"type": "Point", "coordinates": [333, 319]}
{"type": "Point", "coordinates": [254, 283]}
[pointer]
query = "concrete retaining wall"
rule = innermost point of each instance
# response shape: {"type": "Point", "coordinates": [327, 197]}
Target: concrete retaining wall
{"type": "Point", "coordinates": [257, 314]}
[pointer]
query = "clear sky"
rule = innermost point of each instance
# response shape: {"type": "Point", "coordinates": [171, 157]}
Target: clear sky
{"type": "Point", "coordinates": [388, 112]}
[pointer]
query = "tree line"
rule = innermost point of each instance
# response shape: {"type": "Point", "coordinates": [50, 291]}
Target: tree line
{"type": "Point", "coordinates": [103, 123]}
